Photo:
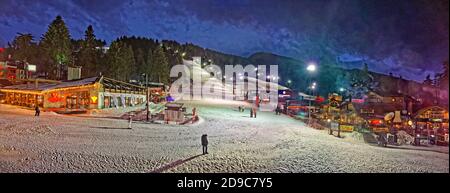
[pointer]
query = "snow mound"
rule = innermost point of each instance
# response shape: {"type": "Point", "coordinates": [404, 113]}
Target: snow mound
{"type": "Point", "coordinates": [404, 138]}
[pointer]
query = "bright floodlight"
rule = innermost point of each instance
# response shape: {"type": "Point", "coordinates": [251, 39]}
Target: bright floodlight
{"type": "Point", "coordinates": [289, 81]}
{"type": "Point", "coordinates": [311, 67]}
{"type": "Point", "coordinates": [314, 83]}
{"type": "Point", "coordinates": [341, 89]}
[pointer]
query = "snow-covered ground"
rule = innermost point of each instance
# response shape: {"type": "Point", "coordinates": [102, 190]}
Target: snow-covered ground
{"type": "Point", "coordinates": [238, 143]}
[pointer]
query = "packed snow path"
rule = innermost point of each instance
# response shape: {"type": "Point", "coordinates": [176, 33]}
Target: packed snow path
{"type": "Point", "coordinates": [238, 143]}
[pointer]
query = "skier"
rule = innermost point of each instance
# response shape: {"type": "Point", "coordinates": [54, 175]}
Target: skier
{"type": "Point", "coordinates": [37, 111]}
{"type": "Point", "coordinates": [205, 144]}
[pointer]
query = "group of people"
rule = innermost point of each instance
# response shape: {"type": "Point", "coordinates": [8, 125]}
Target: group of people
{"type": "Point", "coordinates": [278, 110]}
{"type": "Point", "coordinates": [252, 111]}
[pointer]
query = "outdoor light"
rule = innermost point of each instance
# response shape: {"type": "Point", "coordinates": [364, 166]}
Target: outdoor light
{"type": "Point", "coordinates": [341, 89]}
{"type": "Point", "coordinates": [314, 83]}
{"type": "Point", "coordinates": [328, 120]}
{"type": "Point", "coordinates": [268, 76]}
{"type": "Point", "coordinates": [256, 69]}
{"type": "Point", "coordinates": [410, 122]}
{"type": "Point", "coordinates": [311, 67]}
{"type": "Point", "coordinates": [289, 81]}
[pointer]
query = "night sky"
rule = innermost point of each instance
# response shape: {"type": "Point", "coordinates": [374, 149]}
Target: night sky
{"type": "Point", "coordinates": [408, 38]}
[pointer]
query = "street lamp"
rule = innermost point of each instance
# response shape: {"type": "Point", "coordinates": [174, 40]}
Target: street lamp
{"type": "Point", "coordinates": [289, 83]}
{"type": "Point", "coordinates": [311, 67]}
{"type": "Point", "coordinates": [146, 98]}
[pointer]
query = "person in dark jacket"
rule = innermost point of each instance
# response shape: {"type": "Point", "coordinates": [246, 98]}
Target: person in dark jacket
{"type": "Point", "coordinates": [205, 144]}
{"type": "Point", "coordinates": [37, 111]}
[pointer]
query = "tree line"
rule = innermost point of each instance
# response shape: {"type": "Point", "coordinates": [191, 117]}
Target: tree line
{"type": "Point", "coordinates": [128, 58]}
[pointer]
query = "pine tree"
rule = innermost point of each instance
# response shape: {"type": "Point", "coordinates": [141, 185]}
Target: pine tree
{"type": "Point", "coordinates": [159, 66]}
{"type": "Point", "coordinates": [428, 80]}
{"type": "Point", "coordinates": [57, 46]}
{"type": "Point", "coordinates": [129, 65]}
{"type": "Point", "coordinates": [23, 48]}
{"type": "Point", "coordinates": [120, 61]}
{"type": "Point", "coordinates": [442, 78]}
{"type": "Point", "coordinates": [149, 66]}
{"type": "Point", "coordinates": [88, 56]}
{"type": "Point", "coordinates": [365, 68]}
{"type": "Point", "coordinates": [140, 62]}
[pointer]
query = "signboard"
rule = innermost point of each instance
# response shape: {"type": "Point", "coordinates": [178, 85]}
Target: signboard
{"type": "Point", "coordinates": [380, 129]}
{"type": "Point", "coordinates": [357, 100]}
{"type": "Point", "coordinates": [346, 128]}
{"type": "Point", "coordinates": [436, 120]}
{"type": "Point", "coordinates": [334, 126]}
{"type": "Point", "coordinates": [31, 68]}
{"type": "Point", "coordinates": [309, 98]}
{"type": "Point", "coordinates": [436, 113]}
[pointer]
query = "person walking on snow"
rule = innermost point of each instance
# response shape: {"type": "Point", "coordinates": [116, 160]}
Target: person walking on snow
{"type": "Point", "coordinates": [205, 144]}
{"type": "Point", "coordinates": [37, 111]}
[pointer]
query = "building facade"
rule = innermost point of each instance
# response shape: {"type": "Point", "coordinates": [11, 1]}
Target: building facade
{"type": "Point", "coordinates": [83, 94]}
{"type": "Point", "coordinates": [14, 71]}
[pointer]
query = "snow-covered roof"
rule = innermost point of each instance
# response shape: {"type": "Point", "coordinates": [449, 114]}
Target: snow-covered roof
{"type": "Point", "coordinates": [43, 86]}
{"type": "Point", "coordinates": [4, 82]}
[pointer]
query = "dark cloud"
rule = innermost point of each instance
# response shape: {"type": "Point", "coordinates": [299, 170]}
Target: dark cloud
{"type": "Point", "coordinates": [410, 36]}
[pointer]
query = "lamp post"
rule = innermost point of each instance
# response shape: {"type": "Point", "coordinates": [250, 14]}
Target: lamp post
{"type": "Point", "coordinates": [312, 87]}
{"type": "Point", "coordinates": [310, 68]}
{"type": "Point", "coordinates": [146, 96]}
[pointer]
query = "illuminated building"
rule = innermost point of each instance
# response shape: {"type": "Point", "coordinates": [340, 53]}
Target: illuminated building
{"type": "Point", "coordinates": [16, 71]}
{"type": "Point", "coordinates": [82, 94]}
